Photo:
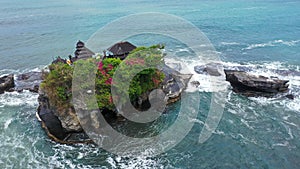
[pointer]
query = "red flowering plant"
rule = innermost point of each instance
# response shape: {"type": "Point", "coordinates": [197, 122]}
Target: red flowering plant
{"type": "Point", "coordinates": [58, 82]}
{"type": "Point", "coordinates": [106, 69]}
{"type": "Point", "coordinates": [144, 81]}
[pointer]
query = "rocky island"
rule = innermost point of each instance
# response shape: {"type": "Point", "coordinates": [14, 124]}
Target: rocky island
{"type": "Point", "coordinates": [56, 111]}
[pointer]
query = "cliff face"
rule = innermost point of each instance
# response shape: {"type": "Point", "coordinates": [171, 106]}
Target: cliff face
{"type": "Point", "coordinates": [50, 121]}
{"type": "Point", "coordinates": [61, 124]}
{"type": "Point", "coordinates": [174, 84]}
{"type": "Point", "coordinates": [66, 115]}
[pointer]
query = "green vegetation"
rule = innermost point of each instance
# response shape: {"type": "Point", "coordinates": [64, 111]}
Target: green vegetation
{"type": "Point", "coordinates": [58, 82]}
{"type": "Point", "coordinates": [143, 61]}
{"type": "Point", "coordinates": [106, 69]}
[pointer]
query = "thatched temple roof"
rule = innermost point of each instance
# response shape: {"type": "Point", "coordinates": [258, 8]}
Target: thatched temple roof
{"type": "Point", "coordinates": [121, 49]}
{"type": "Point", "coordinates": [82, 52]}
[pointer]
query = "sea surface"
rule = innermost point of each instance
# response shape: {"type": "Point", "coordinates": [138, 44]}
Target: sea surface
{"type": "Point", "coordinates": [253, 132]}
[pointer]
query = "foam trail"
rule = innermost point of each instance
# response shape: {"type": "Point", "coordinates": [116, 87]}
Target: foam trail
{"type": "Point", "coordinates": [272, 43]}
{"type": "Point", "coordinates": [19, 99]}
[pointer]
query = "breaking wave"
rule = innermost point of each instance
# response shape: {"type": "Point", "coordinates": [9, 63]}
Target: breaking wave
{"type": "Point", "coordinates": [272, 43]}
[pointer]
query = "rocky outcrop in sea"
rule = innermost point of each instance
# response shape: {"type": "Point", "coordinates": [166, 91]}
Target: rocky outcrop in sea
{"type": "Point", "coordinates": [26, 81]}
{"type": "Point", "coordinates": [248, 84]}
{"type": "Point", "coordinates": [253, 86]}
{"type": "Point", "coordinates": [63, 125]}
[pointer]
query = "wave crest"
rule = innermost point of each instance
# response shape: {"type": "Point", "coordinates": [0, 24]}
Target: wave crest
{"type": "Point", "coordinates": [272, 43]}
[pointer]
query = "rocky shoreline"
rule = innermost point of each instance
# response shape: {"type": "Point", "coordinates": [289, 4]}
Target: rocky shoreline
{"type": "Point", "coordinates": [26, 81]}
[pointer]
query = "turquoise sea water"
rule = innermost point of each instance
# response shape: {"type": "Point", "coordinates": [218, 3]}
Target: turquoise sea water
{"type": "Point", "coordinates": [253, 133]}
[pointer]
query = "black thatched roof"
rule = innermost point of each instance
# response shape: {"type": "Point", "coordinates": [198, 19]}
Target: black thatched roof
{"type": "Point", "coordinates": [121, 49]}
{"type": "Point", "coordinates": [59, 60]}
{"type": "Point", "coordinates": [82, 52]}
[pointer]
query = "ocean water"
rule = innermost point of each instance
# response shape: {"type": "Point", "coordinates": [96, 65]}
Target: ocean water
{"type": "Point", "coordinates": [253, 132]}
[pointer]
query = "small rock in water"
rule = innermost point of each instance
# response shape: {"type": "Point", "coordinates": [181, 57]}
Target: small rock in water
{"type": "Point", "coordinates": [6, 83]}
{"type": "Point", "coordinates": [290, 96]}
{"type": "Point", "coordinates": [212, 69]}
{"type": "Point", "coordinates": [195, 83]}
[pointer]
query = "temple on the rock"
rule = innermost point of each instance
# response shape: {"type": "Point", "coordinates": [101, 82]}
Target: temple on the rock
{"type": "Point", "coordinates": [119, 50]}
{"type": "Point", "coordinates": [82, 52]}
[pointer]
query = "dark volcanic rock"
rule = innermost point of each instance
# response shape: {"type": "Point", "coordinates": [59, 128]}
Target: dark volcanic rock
{"type": "Point", "coordinates": [287, 72]}
{"type": "Point", "coordinates": [290, 96]}
{"type": "Point", "coordinates": [174, 83]}
{"type": "Point", "coordinates": [200, 69]}
{"type": "Point", "coordinates": [28, 81]}
{"type": "Point", "coordinates": [55, 125]}
{"type": "Point", "coordinates": [251, 85]}
{"type": "Point", "coordinates": [212, 69]}
{"type": "Point", "coordinates": [195, 83]}
{"type": "Point", "coordinates": [6, 83]}
{"type": "Point", "coordinates": [51, 122]}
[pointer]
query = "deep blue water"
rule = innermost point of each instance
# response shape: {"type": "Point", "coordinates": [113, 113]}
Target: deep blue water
{"type": "Point", "coordinates": [253, 133]}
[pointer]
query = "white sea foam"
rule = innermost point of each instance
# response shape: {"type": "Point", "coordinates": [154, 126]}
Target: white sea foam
{"type": "Point", "coordinates": [259, 45]}
{"type": "Point", "coordinates": [290, 133]}
{"type": "Point", "coordinates": [272, 43]}
{"type": "Point", "coordinates": [207, 83]}
{"type": "Point", "coordinates": [183, 50]}
{"type": "Point", "coordinates": [294, 105]}
{"type": "Point", "coordinates": [18, 99]}
{"type": "Point", "coordinates": [250, 8]}
{"type": "Point", "coordinates": [290, 123]}
{"type": "Point", "coordinates": [284, 144]}
{"type": "Point", "coordinates": [80, 155]}
{"type": "Point", "coordinates": [16, 72]}
{"type": "Point", "coordinates": [7, 123]}
{"type": "Point", "coordinates": [196, 121]}
{"type": "Point", "coordinates": [219, 132]}
{"type": "Point", "coordinates": [243, 138]}
{"type": "Point", "coordinates": [230, 43]}
{"type": "Point", "coordinates": [232, 111]}
{"type": "Point", "coordinates": [34, 69]}
{"type": "Point", "coordinates": [142, 161]}
{"type": "Point", "coordinates": [246, 123]}
{"type": "Point", "coordinates": [4, 72]}
{"type": "Point", "coordinates": [15, 145]}
{"type": "Point", "coordinates": [112, 162]}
